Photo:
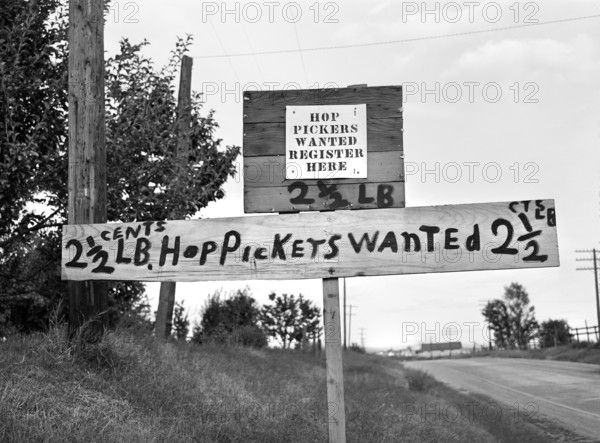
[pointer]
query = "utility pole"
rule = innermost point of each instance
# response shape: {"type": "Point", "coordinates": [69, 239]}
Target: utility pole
{"type": "Point", "coordinates": [345, 343]}
{"type": "Point", "coordinates": [350, 323]}
{"type": "Point", "coordinates": [362, 338]}
{"type": "Point", "coordinates": [166, 300]}
{"type": "Point", "coordinates": [595, 269]}
{"type": "Point", "coordinates": [88, 300]}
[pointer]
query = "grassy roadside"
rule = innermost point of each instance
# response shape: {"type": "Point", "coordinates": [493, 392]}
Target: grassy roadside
{"type": "Point", "coordinates": [582, 353]}
{"type": "Point", "coordinates": [131, 388]}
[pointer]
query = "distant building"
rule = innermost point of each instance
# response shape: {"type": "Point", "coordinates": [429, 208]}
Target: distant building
{"type": "Point", "coordinates": [448, 346]}
{"type": "Point", "coordinates": [442, 350]}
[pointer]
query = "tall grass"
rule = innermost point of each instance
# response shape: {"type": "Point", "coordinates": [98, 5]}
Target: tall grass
{"type": "Point", "coordinates": [130, 387]}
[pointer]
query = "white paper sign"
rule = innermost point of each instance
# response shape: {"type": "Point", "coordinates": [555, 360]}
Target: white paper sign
{"type": "Point", "coordinates": [326, 142]}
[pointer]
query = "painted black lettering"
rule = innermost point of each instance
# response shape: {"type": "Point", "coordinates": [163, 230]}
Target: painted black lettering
{"type": "Point", "coordinates": [534, 256]}
{"type": "Point", "coordinates": [133, 232]}
{"type": "Point", "coordinates": [431, 231]}
{"type": "Point", "coordinates": [75, 263]}
{"type": "Point", "coordinates": [362, 195]}
{"type": "Point", "coordinates": [539, 209]}
{"type": "Point", "coordinates": [117, 234]}
{"type": "Point", "coordinates": [141, 250]}
{"type": "Point", "coordinates": [331, 192]}
{"type": "Point", "coordinates": [551, 214]}
{"type": "Point", "coordinates": [297, 250]}
{"type": "Point", "coordinates": [165, 250]}
{"type": "Point", "coordinates": [120, 250]}
{"type": "Point", "coordinates": [160, 226]}
{"type": "Point", "coordinates": [105, 235]}
{"type": "Point", "coordinates": [260, 254]}
{"type": "Point", "coordinates": [300, 199]}
{"type": "Point", "coordinates": [473, 242]}
{"type": "Point", "coordinates": [334, 248]}
{"type": "Point", "coordinates": [278, 244]}
{"type": "Point", "coordinates": [449, 240]}
{"type": "Point", "coordinates": [102, 268]}
{"type": "Point", "coordinates": [246, 254]}
{"type": "Point", "coordinates": [389, 242]}
{"type": "Point", "coordinates": [503, 248]}
{"type": "Point", "coordinates": [147, 225]}
{"type": "Point", "coordinates": [227, 247]}
{"type": "Point", "coordinates": [208, 247]}
{"type": "Point", "coordinates": [370, 244]}
{"type": "Point", "coordinates": [408, 238]}
{"type": "Point", "coordinates": [525, 221]}
{"type": "Point", "coordinates": [384, 196]}
{"type": "Point", "coordinates": [191, 251]}
{"type": "Point", "coordinates": [315, 246]}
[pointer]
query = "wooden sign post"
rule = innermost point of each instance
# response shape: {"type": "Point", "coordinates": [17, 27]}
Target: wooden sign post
{"type": "Point", "coordinates": [88, 301]}
{"type": "Point", "coordinates": [316, 235]}
{"type": "Point", "coordinates": [316, 150]}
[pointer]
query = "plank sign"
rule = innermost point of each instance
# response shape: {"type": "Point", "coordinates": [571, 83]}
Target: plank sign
{"type": "Point", "coordinates": [317, 245]}
{"type": "Point", "coordinates": [304, 149]}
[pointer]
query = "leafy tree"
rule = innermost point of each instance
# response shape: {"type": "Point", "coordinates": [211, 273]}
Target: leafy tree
{"type": "Point", "coordinates": [145, 179]}
{"type": "Point", "coordinates": [232, 320]}
{"type": "Point", "coordinates": [554, 333]}
{"type": "Point", "coordinates": [496, 314]}
{"type": "Point", "coordinates": [288, 317]}
{"type": "Point", "coordinates": [181, 324]}
{"type": "Point", "coordinates": [511, 318]}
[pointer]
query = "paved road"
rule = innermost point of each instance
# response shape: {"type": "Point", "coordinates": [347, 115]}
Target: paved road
{"type": "Point", "coordinates": [568, 393]}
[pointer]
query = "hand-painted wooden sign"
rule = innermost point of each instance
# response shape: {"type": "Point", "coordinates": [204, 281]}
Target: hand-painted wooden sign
{"type": "Point", "coordinates": [325, 142]}
{"type": "Point", "coordinates": [275, 182]}
{"type": "Point", "coordinates": [317, 245]}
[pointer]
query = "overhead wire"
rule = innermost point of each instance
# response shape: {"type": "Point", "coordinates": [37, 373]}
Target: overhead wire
{"type": "Point", "coordinates": [223, 49]}
{"type": "Point", "coordinates": [262, 79]}
{"type": "Point", "coordinates": [407, 40]}
{"type": "Point", "coordinates": [301, 55]}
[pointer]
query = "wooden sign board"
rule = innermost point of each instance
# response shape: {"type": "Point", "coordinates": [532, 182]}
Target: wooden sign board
{"type": "Point", "coordinates": [317, 245]}
{"type": "Point", "coordinates": [277, 180]}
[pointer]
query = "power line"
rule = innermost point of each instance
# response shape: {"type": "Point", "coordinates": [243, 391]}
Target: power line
{"type": "Point", "coordinates": [594, 268]}
{"type": "Point", "coordinates": [301, 56]}
{"type": "Point", "coordinates": [253, 57]}
{"type": "Point", "coordinates": [407, 40]}
{"type": "Point", "coordinates": [223, 49]}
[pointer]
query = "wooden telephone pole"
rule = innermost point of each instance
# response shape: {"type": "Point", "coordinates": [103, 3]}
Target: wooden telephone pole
{"type": "Point", "coordinates": [166, 302]}
{"type": "Point", "coordinates": [87, 153]}
{"type": "Point", "coordinates": [594, 268]}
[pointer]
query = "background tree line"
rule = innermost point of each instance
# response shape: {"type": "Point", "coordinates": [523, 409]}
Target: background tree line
{"type": "Point", "coordinates": [286, 320]}
{"type": "Point", "coordinates": [512, 321]}
{"type": "Point", "coordinates": [141, 121]}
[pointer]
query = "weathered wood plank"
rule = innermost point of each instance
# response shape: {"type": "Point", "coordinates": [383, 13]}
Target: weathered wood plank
{"type": "Point", "coordinates": [269, 138]}
{"type": "Point", "coordinates": [270, 170]}
{"type": "Point", "coordinates": [305, 196]}
{"type": "Point", "coordinates": [333, 360]}
{"type": "Point", "coordinates": [88, 301]}
{"type": "Point", "coordinates": [466, 237]}
{"type": "Point", "coordinates": [269, 106]}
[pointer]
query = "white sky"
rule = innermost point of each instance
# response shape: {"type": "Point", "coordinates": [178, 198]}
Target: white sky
{"type": "Point", "coordinates": [542, 135]}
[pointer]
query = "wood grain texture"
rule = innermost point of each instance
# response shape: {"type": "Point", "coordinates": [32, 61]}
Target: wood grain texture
{"type": "Point", "coordinates": [333, 360]}
{"type": "Point", "coordinates": [87, 152]}
{"type": "Point", "coordinates": [269, 138]}
{"type": "Point", "coordinates": [345, 196]}
{"type": "Point", "coordinates": [166, 298]}
{"type": "Point", "coordinates": [269, 106]}
{"type": "Point", "coordinates": [317, 245]}
{"type": "Point", "coordinates": [270, 171]}
{"type": "Point", "coordinates": [264, 145]}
